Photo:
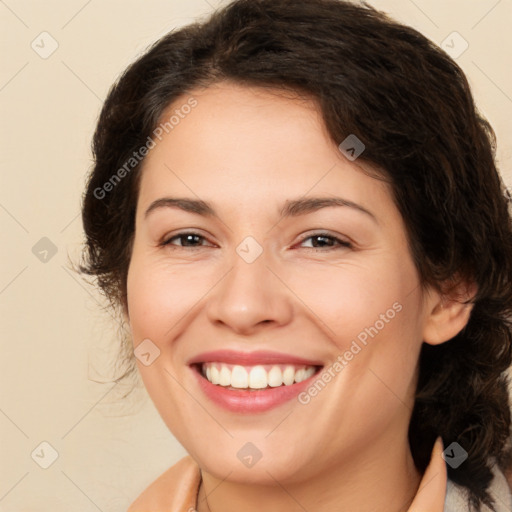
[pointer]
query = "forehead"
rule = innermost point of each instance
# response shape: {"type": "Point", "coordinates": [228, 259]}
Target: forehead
{"type": "Point", "coordinates": [257, 142]}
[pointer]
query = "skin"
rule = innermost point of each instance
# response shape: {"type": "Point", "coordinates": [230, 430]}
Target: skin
{"type": "Point", "coordinates": [247, 151]}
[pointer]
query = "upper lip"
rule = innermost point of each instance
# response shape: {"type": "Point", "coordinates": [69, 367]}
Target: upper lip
{"type": "Point", "coordinates": [251, 358]}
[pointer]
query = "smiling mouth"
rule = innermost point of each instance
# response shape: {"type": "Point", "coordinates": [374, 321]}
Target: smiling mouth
{"type": "Point", "coordinates": [255, 377]}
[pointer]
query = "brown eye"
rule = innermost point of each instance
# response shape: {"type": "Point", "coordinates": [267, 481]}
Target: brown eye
{"type": "Point", "coordinates": [186, 240]}
{"type": "Point", "coordinates": [321, 240]}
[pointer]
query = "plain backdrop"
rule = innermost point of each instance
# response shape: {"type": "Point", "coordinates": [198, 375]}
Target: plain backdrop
{"type": "Point", "coordinates": [58, 346]}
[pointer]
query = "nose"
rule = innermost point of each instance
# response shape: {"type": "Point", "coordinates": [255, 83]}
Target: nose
{"type": "Point", "coordinates": [250, 297]}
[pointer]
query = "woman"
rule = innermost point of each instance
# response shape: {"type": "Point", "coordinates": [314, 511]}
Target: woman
{"type": "Point", "coordinates": [296, 207]}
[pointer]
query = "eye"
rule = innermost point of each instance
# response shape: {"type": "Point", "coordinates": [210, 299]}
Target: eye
{"type": "Point", "coordinates": [187, 239]}
{"type": "Point", "coordinates": [321, 240]}
{"type": "Point", "coordinates": [318, 241]}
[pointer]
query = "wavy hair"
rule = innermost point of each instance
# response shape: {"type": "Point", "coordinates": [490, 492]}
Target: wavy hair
{"type": "Point", "coordinates": [412, 107]}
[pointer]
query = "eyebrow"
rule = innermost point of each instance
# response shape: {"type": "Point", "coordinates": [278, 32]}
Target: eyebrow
{"type": "Point", "coordinates": [303, 206]}
{"type": "Point", "coordinates": [291, 208]}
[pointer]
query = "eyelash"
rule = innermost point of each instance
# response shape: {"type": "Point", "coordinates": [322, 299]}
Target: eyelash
{"type": "Point", "coordinates": [340, 242]}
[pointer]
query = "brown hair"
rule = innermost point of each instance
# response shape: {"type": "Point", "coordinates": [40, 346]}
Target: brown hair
{"type": "Point", "coordinates": [411, 105]}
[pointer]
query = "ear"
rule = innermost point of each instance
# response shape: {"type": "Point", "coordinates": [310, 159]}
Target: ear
{"type": "Point", "coordinates": [447, 312]}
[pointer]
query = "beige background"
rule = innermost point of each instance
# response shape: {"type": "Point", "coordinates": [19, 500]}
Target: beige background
{"type": "Point", "coordinates": [57, 345]}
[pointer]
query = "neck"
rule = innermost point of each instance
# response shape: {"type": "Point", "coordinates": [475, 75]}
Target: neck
{"type": "Point", "coordinates": [383, 479]}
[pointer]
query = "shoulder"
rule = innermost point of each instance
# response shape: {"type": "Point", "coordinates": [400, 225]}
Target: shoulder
{"type": "Point", "coordinates": [174, 490]}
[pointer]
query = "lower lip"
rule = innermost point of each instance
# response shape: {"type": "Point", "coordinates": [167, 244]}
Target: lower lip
{"type": "Point", "coordinates": [244, 401]}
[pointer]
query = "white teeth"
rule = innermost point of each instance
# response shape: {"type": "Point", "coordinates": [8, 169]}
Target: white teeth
{"type": "Point", "coordinates": [214, 375]}
{"type": "Point", "coordinates": [255, 377]}
{"type": "Point", "coordinates": [258, 378]}
{"type": "Point", "coordinates": [275, 377]}
{"type": "Point", "coordinates": [289, 375]}
{"type": "Point", "coordinates": [239, 377]}
{"type": "Point", "coordinates": [299, 375]}
{"type": "Point", "coordinates": [308, 372]}
{"type": "Point", "coordinates": [224, 377]}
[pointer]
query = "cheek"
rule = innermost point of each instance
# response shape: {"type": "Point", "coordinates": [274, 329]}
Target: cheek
{"type": "Point", "coordinates": [370, 314]}
{"type": "Point", "coordinates": [160, 300]}
{"type": "Point", "coordinates": [358, 301]}
{"type": "Point", "coordinates": [159, 297]}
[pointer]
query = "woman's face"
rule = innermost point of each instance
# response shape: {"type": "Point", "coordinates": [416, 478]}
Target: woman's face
{"type": "Point", "coordinates": [257, 278]}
